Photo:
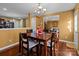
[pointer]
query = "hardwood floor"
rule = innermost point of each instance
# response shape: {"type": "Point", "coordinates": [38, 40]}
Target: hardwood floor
{"type": "Point", "coordinates": [11, 51]}
{"type": "Point", "coordinates": [61, 50]}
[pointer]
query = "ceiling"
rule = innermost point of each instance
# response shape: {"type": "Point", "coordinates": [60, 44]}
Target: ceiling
{"type": "Point", "coordinates": [20, 10]}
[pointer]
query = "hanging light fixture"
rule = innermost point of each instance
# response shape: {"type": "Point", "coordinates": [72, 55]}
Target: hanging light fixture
{"type": "Point", "coordinates": [39, 10]}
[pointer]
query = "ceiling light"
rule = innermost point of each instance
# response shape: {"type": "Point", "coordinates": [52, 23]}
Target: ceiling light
{"type": "Point", "coordinates": [5, 9]}
{"type": "Point", "coordinates": [39, 10]}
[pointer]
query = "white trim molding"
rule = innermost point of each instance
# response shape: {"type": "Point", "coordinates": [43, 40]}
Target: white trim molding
{"type": "Point", "coordinates": [78, 52]}
{"type": "Point", "coordinates": [69, 43]}
{"type": "Point", "coordinates": [66, 41]}
{"type": "Point", "coordinates": [6, 47]}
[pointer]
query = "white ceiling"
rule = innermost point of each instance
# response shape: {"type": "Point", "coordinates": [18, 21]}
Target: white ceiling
{"type": "Point", "coordinates": [20, 10]}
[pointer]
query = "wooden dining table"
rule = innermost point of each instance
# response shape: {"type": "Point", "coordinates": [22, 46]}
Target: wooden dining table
{"type": "Point", "coordinates": [44, 37]}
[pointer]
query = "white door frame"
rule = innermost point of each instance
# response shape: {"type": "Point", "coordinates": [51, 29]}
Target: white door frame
{"type": "Point", "coordinates": [76, 31]}
{"type": "Point", "coordinates": [33, 23]}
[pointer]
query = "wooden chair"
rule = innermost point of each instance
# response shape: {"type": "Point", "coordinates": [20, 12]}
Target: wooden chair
{"type": "Point", "coordinates": [29, 30]}
{"type": "Point", "coordinates": [51, 44]}
{"type": "Point", "coordinates": [28, 43]}
{"type": "Point", "coordinates": [46, 30]}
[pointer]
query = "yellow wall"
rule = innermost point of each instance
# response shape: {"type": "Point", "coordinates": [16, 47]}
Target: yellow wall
{"type": "Point", "coordinates": [63, 24]}
{"type": "Point", "coordinates": [39, 21]}
{"type": "Point", "coordinates": [66, 21]}
{"type": "Point", "coordinates": [51, 24]}
{"type": "Point", "coordinates": [9, 36]}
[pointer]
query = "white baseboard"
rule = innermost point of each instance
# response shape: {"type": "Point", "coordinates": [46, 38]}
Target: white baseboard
{"type": "Point", "coordinates": [66, 41]}
{"type": "Point", "coordinates": [78, 52]}
{"type": "Point", "coordinates": [6, 47]}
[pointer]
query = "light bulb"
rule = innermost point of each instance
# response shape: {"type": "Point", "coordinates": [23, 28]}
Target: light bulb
{"type": "Point", "coordinates": [38, 12]}
{"type": "Point", "coordinates": [35, 10]}
{"type": "Point", "coordinates": [5, 9]}
{"type": "Point", "coordinates": [44, 9]}
{"type": "Point", "coordinates": [40, 7]}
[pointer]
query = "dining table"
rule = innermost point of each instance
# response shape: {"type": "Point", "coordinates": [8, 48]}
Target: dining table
{"type": "Point", "coordinates": [41, 37]}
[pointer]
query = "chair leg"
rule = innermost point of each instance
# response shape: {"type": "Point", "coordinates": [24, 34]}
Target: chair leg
{"type": "Point", "coordinates": [40, 49]}
{"type": "Point", "coordinates": [22, 51]}
{"type": "Point", "coordinates": [37, 47]}
{"type": "Point", "coordinates": [28, 52]}
{"type": "Point", "coordinates": [50, 51]}
{"type": "Point", "coordinates": [54, 49]}
{"type": "Point", "coordinates": [31, 52]}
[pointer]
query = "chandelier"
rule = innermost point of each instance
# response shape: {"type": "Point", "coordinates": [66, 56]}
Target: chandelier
{"type": "Point", "coordinates": [39, 10]}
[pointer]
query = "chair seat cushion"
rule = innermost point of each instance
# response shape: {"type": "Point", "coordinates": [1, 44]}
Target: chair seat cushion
{"type": "Point", "coordinates": [31, 44]}
{"type": "Point", "coordinates": [24, 40]}
{"type": "Point", "coordinates": [48, 43]}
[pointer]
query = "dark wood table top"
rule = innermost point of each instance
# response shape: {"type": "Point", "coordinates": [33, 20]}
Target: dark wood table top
{"type": "Point", "coordinates": [44, 36]}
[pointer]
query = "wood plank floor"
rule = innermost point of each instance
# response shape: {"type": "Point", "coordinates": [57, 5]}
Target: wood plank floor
{"type": "Point", "coordinates": [61, 50]}
{"type": "Point", "coordinates": [11, 51]}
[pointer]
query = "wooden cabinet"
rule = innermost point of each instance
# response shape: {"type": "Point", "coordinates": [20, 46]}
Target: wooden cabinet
{"type": "Point", "coordinates": [6, 23]}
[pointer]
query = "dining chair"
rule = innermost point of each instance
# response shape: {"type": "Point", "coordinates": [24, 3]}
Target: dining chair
{"type": "Point", "coordinates": [51, 44]}
{"type": "Point", "coordinates": [29, 30]}
{"type": "Point", "coordinates": [46, 30]}
{"type": "Point", "coordinates": [28, 44]}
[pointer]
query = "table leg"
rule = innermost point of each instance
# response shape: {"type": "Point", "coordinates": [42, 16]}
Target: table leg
{"type": "Point", "coordinates": [45, 48]}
